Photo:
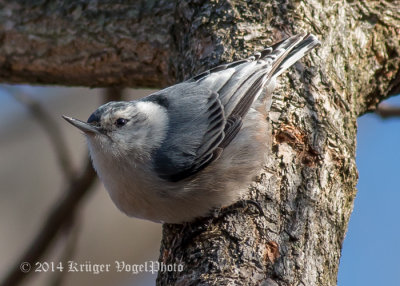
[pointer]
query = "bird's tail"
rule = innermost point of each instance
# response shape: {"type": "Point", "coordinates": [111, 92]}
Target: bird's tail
{"type": "Point", "coordinates": [287, 52]}
{"type": "Point", "coordinates": [240, 83]}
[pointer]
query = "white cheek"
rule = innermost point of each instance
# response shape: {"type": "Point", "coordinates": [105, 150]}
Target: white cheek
{"type": "Point", "coordinates": [95, 154]}
{"type": "Point", "coordinates": [157, 122]}
{"type": "Point", "coordinates": [101, 146]}
{"type": "Point", "coordinates": [103, 161]}
{"type": "Point", "coordinates": [130, 141]}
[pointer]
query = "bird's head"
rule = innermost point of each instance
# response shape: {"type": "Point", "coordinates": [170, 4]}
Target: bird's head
{"type": "Point", "coordinates": [123, 128]}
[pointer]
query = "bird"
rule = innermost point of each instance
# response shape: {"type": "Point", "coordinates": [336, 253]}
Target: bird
{"type": "Point", "coordinates": [186, 150]}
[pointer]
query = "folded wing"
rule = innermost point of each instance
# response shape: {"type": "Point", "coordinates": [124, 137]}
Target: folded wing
{"type": "Point", "coordinates": [206, 112]}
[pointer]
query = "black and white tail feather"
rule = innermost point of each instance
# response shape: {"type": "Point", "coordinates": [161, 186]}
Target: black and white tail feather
{"type": "Point", "coordinates": [243, 78]}
{"type": "Point", "coordinates": [219, 99]}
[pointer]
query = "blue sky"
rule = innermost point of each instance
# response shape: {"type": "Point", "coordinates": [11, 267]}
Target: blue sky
{"type": "Point", "coordinates": [371, 250]}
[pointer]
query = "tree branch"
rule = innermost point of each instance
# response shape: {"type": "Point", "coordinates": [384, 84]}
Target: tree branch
{"type": "Point", "coordinates": [53, 132]}
{"type": "Point", "coordinates": [61, 215]}
{"type": "Point", "coordinates": [71, 240]}
{"type": "Point", "coordinates": [387, 111]}
{"type": "Point", "coordinates": [308, 196]}
{"type": "Point", "coordinates": [308, 186]}
{"type": "Point", "coordinates": [82, 43]}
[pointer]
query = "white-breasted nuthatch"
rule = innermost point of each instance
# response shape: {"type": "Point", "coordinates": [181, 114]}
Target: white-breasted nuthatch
{"type": "Point", "coordinates": [178, 153]}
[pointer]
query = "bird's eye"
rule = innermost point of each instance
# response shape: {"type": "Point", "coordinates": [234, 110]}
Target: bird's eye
{"type": "Point", "coordinates": [120, 122]}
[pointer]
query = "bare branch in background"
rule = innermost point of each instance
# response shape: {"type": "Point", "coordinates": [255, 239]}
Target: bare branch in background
{"type": "Point", "coordinates": [388, 111]}
{"type": "Point", "coordinates": [49, 125]}
{"type": "Point", "coordinates": [113, 94]}
{"type": "Point", "coordinates": [61, 217]}
{"type": "Point", "coordinates": [71, 240]}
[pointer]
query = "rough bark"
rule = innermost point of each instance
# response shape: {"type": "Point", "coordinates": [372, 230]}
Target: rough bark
{"type": "Point", "coordinates": [308, 185]}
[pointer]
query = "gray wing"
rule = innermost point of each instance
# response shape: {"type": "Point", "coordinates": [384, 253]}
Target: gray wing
{"type": "Point", "coordinates": [206, 112]}
{"type": "Point", "coordinates": [196, 129]}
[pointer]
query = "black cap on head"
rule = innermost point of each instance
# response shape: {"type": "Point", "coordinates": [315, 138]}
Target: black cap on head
{"type": "Point", "coordinates": [95, 117]}
{"type": "Point", "coordinates": [108, 107]}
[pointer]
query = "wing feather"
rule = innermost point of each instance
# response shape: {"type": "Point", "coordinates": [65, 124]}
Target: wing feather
{"type": "Point", "coordinates": [206, 112]}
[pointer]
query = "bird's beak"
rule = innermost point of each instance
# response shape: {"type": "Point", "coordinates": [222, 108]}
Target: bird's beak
{"type": "Point", "coordinates": [85, 127]}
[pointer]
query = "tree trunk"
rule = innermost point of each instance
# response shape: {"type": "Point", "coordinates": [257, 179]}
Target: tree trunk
{"type": "Point", "coordinates": [307, 187]}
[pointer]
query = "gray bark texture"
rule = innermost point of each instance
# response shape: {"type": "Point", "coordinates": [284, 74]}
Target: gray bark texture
{"type": "Point", "coordinates": [308, 185]}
